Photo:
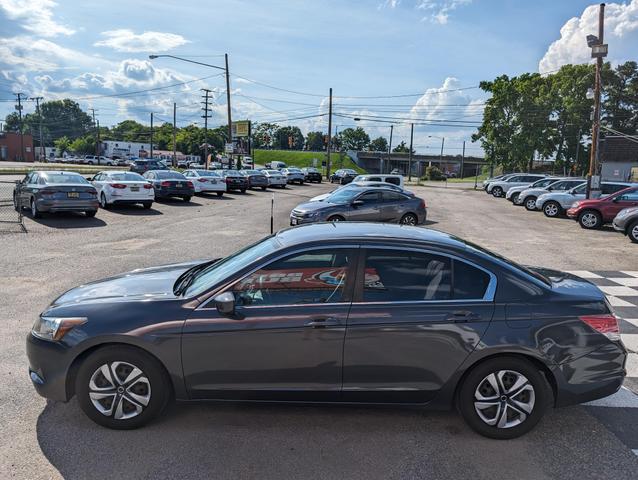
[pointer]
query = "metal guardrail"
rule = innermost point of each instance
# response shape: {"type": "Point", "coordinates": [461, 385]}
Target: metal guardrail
{"type": "Point", "coordinates": [9, 213]}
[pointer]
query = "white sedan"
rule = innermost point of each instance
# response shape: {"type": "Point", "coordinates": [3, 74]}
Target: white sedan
{"type": "Point", "coordinates": [275, 178]}
{"type": "Point", "coordinates": [118, 187]}
{"type": "Point", "coordinates": [206, 181]}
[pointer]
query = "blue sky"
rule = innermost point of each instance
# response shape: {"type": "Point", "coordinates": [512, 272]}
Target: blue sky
{"type": "Point", "coordinates": [429, 51]}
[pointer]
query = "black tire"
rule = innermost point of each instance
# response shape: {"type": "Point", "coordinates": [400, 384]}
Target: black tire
{"type": "Point", "coordinates": [90, 213]}
{"type": "Point", "coordinates": [336, 218]}
{"type": "Point", "coordinates": [35, 213]}
{"type": "Point", "coordinates": [103, 203]}
{"type": "Point", "coordinates": [220, 194]}
{"type": "Point", "coordinates": [158, 394]}
{"type": "Point", "coordinates": [243, 190]}
{"type": "Point", "coordinates": [263, 188]}
{"type": "Point", "coordinates": [147, 205]}
{"type": "Point", "coordinates": [552, 209]}
{"type": "Point", "coordinates": [90, 162]}
{"type": "Point", "coordinates": [476, 383]}
{"type": "Point", "coordinates": [283, 186]}
{"type": "Point", "coordinates": [530, 203]}
{"type": "Point", "coordinates": [497, 192]}
{"type": "Point", "coordinates": [186, 198]}
{"type": "Point", "coordinates": [514, 197]}
{"type": "Point", "coordinates": [632, 231]}
{"type": "Point", "coordinates": [15, 204]}
{"type": "Point", "coordinates": [409, 219]}
{"type": "Point", "coordinates": [590, 219]}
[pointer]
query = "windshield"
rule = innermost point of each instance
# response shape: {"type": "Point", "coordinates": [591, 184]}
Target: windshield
{"type": "Point", "coordinates": [544, 182]}
{"type": "Point", "coordinates": [218, 271]}
{"type": "Point", "coordinates": [62, 178]}
{"type": "Point", "coordinates": [273, 172]}
{"type": "Point", "coordinates": [342, 196]}
{"type": "Point", "coordinates": [127, 177]}
{"type": "Point", "coordinates": [294, 170]}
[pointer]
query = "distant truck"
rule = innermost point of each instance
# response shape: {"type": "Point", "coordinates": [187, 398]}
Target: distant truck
{"type": "Point", "coordinates": [275, 165]}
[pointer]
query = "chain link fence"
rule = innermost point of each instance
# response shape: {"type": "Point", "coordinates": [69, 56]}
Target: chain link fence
{"type": "Point", "coordinates": [9, 214]}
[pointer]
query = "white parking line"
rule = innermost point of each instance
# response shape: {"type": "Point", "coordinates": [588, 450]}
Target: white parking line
{"type": "Point", "coordinates": [585, 274]}
{"type": "Point", "coordinates": [626, 281]}
{"type": "Point", "coordinates": [619, 291]}
{"type": "Point", "coordinates": [618, 302]}
{"type": "Point", "coordinates": [631, 341]}
{"type": "Point", "coordinates": [633, 273]}
{"type": "Point", "coordinates": [623, 398]}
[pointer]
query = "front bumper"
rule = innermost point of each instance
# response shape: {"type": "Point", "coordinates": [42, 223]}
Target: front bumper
{"type": "Point", "coordinates": [257, 182]}
{"type": "Point", "coordinates": [572, 213]}
{"type": "Point", "coordinates": [300, 220]}
{"type": "Point", "coordinates": [619, 226]}
{"type": "Point", "coordinates": [596, 375]}
{"type": "Point", "coordinates": [314, 177]}
{"type": "Point", "coordinates": [49, 364]}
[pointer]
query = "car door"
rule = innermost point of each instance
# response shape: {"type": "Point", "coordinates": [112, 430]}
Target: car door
{"type": "Point", "coordinates": [98, 182]}
{"type": "Point", "coordinates": [620, 202]}
{"type": "Point", "coordinates": [392, 206]}
{"type": "Point", "coordinates": [410, 327]}
{"type": "Point", "coordinates": [285, 340]}
{"type": "Point", "coordinates": [366, 207]}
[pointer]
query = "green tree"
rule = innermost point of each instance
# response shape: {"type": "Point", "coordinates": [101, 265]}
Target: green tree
{"type": "Point", "coordinates": [264, 134]}
{"type": "Point", "coordinates": [354, 139]}
{"type": "Point", "coordinates": [314, 141]}
{"type": "Point", "coordinates": [131, 131]}
{"type": "Point", "coordinates": [402, 148]}
{"type": "Point", "coordinates": [620, 106]}
{"type": "Point", "coordinates": [62, 145]}
{"type": "Point", "coordinates": [289, 138]}
{"type": "Point", "coordinates": [83, 145]}
{"type": "Point", "coordinates": [379, 144]}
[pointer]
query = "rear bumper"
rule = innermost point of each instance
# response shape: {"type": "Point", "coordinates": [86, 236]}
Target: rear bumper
{"type": "Point", "coordinates": [314, 178]}
{"type": "Point", "coordinates": [67, 205]}
{"type": "Point", "coordinates": [592, 376]}
{"type": "Point", "coordinates": [174, 192]}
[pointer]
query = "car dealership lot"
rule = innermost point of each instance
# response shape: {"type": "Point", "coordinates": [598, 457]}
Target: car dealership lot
{"type": "Point", "coordinates": [237, 441]}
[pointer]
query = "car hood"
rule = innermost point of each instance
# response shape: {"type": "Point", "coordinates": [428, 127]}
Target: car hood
{"type": "Point", "coordinates": [319, 198]}
{"type": "Point", "coordinates": [146, 283]}
{"type": "Point", "coordinates": [533, 191]}
{"type": "Point", "coordinates": [314, 206]}
{"type": "Point", "coordinates": [556, 196]}
{"type": "Point", "coordinates": [592, 202]}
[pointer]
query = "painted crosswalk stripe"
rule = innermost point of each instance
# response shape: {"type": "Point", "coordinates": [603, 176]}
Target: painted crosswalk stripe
{"type": "Point", "coordinates": [623, 398]}
{"type": "Point", "coordinates": [584, 274]}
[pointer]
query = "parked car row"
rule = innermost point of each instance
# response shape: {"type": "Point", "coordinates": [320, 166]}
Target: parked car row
{"type": "Point", "coordinates": [617, 202]}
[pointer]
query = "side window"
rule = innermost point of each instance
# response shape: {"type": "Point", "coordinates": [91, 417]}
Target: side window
{"type": "Point", "coordinates": [27, 178]}
{"type": "Point", "coordinates": [515, 179]}
{"type": "Point", "coordinates": [609, 188]}
{"type": "Point", "coordinates": [392, 197]}
{"type": "Point", "coordinates": [561, 186]}
{"type": "Point", "coordinates": [35, 178]}
{"type": "Point", "coordinates": [629, 197]}
{"type": "Point", "coordinates": [373, 179]}
{"type": "Point", "coordinates": [316, 276]}
{"type": "Point", "coordinates": [393, 276]}
{"type": "Point", "coordinates": [470, 283]}
{"type": "Point", "coordinates": [393, 180]}
{"type": "Point", "coordinates": [582, 189]}
{"type": "Point", "coordinates": [369, 197]}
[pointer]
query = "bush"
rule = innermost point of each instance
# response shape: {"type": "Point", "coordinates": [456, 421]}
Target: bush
{"type": "Point", "coordinates": [433, 173]}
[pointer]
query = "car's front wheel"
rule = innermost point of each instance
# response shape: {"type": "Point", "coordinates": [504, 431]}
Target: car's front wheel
{"type": "Point", "coordinates": [590, 219]}
{"type": "Point", "coordinates": [552, 209]}
{"type": "Point", "coordinates": [504, 397]}
{"type": "Point", "coordinates": [530, 203]}
{"type": "Point", "coordinates": [514, 197]}
{"type": "Point", "coordinates": [121, 387]}
{"type": "Point", "coordinates": [632, 232]}
{"type": "Point", "coordinates": [497, 192]}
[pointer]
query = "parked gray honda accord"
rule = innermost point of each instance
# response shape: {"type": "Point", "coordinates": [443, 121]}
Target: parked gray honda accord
{"type": "Point", "coordinates": [334, 312]}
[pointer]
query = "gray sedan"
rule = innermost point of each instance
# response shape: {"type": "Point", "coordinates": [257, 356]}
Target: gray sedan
{"type": "Point", "coordinates": [365, 204]}
{"type": "Point", "coordinates": [627, 222]}
{"type": "Point", "coordinates": [55, 192]}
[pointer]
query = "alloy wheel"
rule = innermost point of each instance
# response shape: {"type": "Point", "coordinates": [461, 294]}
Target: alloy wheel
{"type": "Point", "coordinates": [102, 201]}
{"type": "Point", "coordinates": [530, 203]}
{"type": "Point", "coordinates": [634, 232]}
{"type": "Point", "coordinates": [119, 390]}
{"type": "Point", "coordinates": [504, 399]}
{"type": "Point", "coordinates": [551, 210]}
{"type": "Point", "coordinates": [589, 220]}
{"type": "Point", "coordinates": [34, 209]}
{"type": "Point", "coordinates": [408, 219]}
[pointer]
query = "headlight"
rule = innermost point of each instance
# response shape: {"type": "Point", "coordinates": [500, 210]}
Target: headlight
{"type": "Point", "coordinates": [54, 328]}
{"type": "Point", "coordinates": [623, 213]}
{"type": "Point", "coordinates": [575, 205]}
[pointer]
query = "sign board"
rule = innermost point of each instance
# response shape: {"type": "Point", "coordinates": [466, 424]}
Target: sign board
{"type": "Point", "coordinates": [595, 182]}
{"type": "Point", "coordinates": [229, 148]}
{"type": "Point", "coordinates": [241, 128]}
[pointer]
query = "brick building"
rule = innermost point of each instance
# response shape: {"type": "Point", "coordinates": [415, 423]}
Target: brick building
{"type": "Point", "coordinates": [10, 147]}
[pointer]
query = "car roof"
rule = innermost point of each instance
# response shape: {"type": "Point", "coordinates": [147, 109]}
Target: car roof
{"type": "Point", "coordinates": [318, 232]}
{"type": "Point", "coordinates": [60, 172]}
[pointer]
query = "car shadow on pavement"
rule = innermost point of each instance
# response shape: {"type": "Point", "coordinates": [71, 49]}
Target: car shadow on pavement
{"type": "Point", "coordinates": [289, 441]}
{"type": "Point", "coordinates": [134, 210]}
{"type": "Point", "coordinates": [177, 202]}
{"type": "Point", "coordinates": [214, 196]}
{"type": "Point", "coordinates": [68, 220]}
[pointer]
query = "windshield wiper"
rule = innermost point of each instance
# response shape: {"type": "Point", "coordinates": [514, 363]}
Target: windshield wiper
{"type": "Point", "coordinates": [186, 279]}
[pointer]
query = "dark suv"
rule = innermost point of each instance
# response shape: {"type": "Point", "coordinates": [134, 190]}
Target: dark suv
{"type": "Point", "coordinates": [143, 165]}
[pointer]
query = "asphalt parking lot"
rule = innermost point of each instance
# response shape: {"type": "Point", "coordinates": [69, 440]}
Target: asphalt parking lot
{"type": "Point", "coordinates": [52, 440]}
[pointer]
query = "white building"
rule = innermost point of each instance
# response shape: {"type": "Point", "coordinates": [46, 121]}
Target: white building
{"type": "Point", "coordinates": [121, 149]}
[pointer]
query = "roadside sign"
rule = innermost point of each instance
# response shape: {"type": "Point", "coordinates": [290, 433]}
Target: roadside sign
{"type": "Point", "coordinates": [229, 148]}
{"type": "Point", "coordinates": [241, 128]}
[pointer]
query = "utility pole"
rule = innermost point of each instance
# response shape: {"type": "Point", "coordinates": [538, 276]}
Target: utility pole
{"type": "Point", "coordinates": [97, 141]}
{"type": "Point", "coordinates": [37, 109]}
{"type": "Point", "coordinates": [462, 160]}
{"type": "Point", "coordinates": [389, 148]}
{"type": "Point", "coordinates": [151, 136]}
{"type": "Point", "coordinates": [174, 134]}
{"type": "Point", "coordinates": [329, 135]}
{"type": "Point", "coordinates": [205, 117]}
{"type": "Point", "coordinates": [577, 151]}
{"type": "Point", "coordinates": [441, 157]}
{"type": "Point", "coordinates": [410, 155]}
{"type": "Point", "coordinates": [19, 109]}
{"type": "Point", "coordinates": [230, 120]}
{"type": "Point", "coordinates": [598, 42]}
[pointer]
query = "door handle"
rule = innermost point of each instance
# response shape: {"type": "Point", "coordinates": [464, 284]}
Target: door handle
{"type": "Point", "coordinates": [462, 316]}
{"type": "Point", "coordinates": [323, 322]}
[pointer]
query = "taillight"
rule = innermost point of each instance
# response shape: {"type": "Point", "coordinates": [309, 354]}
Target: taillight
{"type": "Point", "coordinates": [47, 192]}
{"type": "Point", "coordinates": [190, 184]}
{"type": "Point", "coordinates": [165, 184]}
{"type": "Point", "coordinates": [605, 323]}
{"type": "Point", "coordinates": [148, 186]}
{"type": "Point", "coordinates": [422, 205]}
{"type": "Point", "coordinates": [118, 185]}
{"type": "Point", "coordinates": [228, 180]}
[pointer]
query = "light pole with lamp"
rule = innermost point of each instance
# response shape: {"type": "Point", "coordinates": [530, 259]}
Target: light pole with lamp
{"type": "Point", "coordinates": [357, 119]}
{"type": "Point", "coordinates": [225, 69]}
{"type": "Point", "coordinates": [442, 145]}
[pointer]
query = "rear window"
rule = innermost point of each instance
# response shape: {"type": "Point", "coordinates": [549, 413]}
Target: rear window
{"type": "Point", "coordinates": [163, 174]}
{"type": "Point", "coordinates": [62, 178]}
{"type": "Point", "coordinates": [207, 173]}
{"type": "Point", "coordinates": [126, 177]}
{"type": "Point", "coordinates": [393, 180]}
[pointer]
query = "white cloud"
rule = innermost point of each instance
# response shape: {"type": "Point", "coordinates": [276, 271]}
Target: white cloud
{"type": "Point", "coordinates": [621, 23]}
{"type": "Point", "coordinates": [439, 10]}
{"type": "Point", "coordinates": [124, 40]}
{"type": "Point", "coordinates": [35, 16]}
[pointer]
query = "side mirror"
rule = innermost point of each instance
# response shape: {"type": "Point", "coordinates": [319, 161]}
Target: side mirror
{"type": "Point", "coordinates": [225, 303]}
{"type": "Point", "coordinates": [357, 203]}
{"type": "Point", "coordinates": [616, 199]}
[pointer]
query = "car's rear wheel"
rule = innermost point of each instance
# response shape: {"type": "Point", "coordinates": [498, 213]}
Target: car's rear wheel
{"type": "Point", "coordinates": [35, 213]}
{"type": "Point", "coordinates": [632, 232]}
{"type": "Point", "coordinates": [504, 397]}
{"type": "Point", "coordinates": [409, 219]}
{"type": "Point", "coordinates": [590, 219]}
{"type": "Point", "coordinates": [530, 203]}
{"type": "Point", "coordinates": [336, 218]}
{"type": "Point", "coordinates": [121, 387]}
{"type": "Point", "coordinates": [552, 209]}
{"type": "Point", "coordinates": [15, 203]}
{"type": "Point", "coordinates": [497, 192]}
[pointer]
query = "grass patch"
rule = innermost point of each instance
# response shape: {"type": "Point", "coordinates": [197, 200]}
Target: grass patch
{"type": "Point", "coordinates": [295, 158]}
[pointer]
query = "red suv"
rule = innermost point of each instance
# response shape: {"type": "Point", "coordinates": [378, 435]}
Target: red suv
{"type": "Point", "coordinates": [594, 213]}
